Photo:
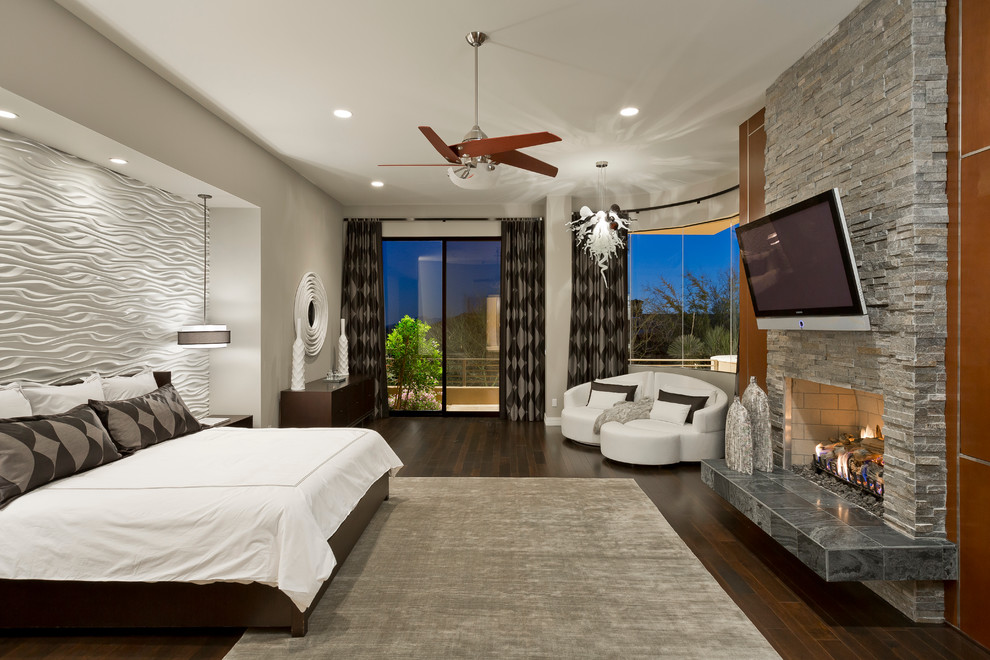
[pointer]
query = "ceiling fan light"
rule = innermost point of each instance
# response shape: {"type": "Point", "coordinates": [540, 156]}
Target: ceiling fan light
{"type": "Point", "coordinates": [481, 177]}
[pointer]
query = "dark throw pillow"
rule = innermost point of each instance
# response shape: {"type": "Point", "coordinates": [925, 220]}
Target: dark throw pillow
{"type": "Point", "coordinates": [696, 402]}
{"type": "Point", "coordinates": [628, 390]}
{"type": "Point", "coordinates": [39, 449]}
{"type": "Point", "coordinates": [147, 419]}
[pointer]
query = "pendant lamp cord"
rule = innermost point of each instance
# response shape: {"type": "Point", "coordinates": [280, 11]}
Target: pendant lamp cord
{"type": "Point", "coordinates": [204, 197]}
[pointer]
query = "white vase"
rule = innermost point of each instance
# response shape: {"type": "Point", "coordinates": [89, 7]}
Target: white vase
{"type": "Point", "coordinates": [758, 406]}
{"type": "Point", "coordinates": [738, 439]}
{"type": "Point", "coordinates": [298, 367]}
{"type": "Point", "coordinates": [342, 364]}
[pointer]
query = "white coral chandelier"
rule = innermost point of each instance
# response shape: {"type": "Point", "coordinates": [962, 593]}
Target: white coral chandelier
{"type": "Point", "coordinates": [601, 233]}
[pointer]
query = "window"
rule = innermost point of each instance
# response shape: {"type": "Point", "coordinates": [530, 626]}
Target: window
{"type": "Point", "coordinates": [442, 324]}
{"type": "Point", "coordinates": [684, 296]}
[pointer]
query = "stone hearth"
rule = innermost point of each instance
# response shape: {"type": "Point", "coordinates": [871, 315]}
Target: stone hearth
{"type": "Point", "coordinates": [841, 542]}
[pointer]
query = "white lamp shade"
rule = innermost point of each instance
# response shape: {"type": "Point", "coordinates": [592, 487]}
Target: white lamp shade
{"type": "Point", "coordinates": [477, 178]}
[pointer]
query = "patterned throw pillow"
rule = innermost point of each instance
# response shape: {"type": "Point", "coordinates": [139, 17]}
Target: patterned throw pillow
{"type": "Point", "coordinates": [146, 420]}
{"type": "Point", "coordinates": [39, 449]}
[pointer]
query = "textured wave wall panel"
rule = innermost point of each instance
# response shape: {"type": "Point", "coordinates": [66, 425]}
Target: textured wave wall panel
{"type": "Point", "coordinates": [97, 272]}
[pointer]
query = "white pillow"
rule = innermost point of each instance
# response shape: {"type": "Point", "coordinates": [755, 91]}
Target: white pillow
{"type": "Point", "coordinates": [603, 400]}
{"type": "Point", "coordinates": [12, 402]}
{"type": "Point", "coordinates": [55, 399]}
{"type": "Point", "coordinates": [116, 388]}
{"type": "Point", "coordinates": [667, 411]}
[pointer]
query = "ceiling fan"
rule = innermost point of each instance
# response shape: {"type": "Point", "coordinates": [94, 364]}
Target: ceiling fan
{"type": "Point", "coordinates": [472, 162]}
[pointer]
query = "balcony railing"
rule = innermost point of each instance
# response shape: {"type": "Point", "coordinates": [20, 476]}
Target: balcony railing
{"type": "Point", "coordinates": [468, 371]}
{"type": "Point", "coordinates": [706, 364]}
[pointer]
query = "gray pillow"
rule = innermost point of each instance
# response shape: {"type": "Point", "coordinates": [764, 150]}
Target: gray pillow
{"type": "Point", "coordinates": [39, 449]}
{"type": "Point", "coordinates": [147, 419]}
{"type": "Point", "coordinates": [628, 390]}
{"type": "Point", "coordinates": [696, 402]}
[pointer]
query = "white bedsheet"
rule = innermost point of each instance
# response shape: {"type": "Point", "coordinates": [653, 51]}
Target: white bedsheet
{"type": "Point", "coordinates": [225, 504]}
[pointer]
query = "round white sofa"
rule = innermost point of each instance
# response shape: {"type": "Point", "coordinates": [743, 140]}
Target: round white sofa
{"type": "Point", "coordinates": [577, 419]}
{"type": "Point", "coordinates": [650, 441]}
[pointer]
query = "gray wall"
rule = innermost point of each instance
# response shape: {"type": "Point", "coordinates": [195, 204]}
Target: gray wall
{"type": "Point", "coordinates": [97, 272]}
{"type": "Point", "coordinates": [51, 58]}
{"type": "Point", "coordinates": [865, 111]}
{"type": "Point", "coordinates": [235, 299]}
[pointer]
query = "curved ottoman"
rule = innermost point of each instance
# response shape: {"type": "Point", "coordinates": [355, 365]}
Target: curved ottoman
{"type": "Point", "coordinates": [640, 446]}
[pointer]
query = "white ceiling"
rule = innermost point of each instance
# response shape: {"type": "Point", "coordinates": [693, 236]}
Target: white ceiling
{"type": "Point", "coordinates": [278, 69]}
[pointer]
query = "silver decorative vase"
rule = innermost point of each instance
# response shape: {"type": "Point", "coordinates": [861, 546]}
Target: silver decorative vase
{"type": "Point", "coordinates": [738, 438]}
{"type": "Point", "coordinates": [758, 406]}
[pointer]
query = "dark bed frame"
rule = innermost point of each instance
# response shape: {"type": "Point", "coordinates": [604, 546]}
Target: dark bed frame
{"type": "Point", "coordinates": [64, 604]}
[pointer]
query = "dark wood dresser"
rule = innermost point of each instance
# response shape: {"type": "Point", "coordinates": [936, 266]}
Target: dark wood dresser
{"type": "Point", "coordinates": [323, 403]}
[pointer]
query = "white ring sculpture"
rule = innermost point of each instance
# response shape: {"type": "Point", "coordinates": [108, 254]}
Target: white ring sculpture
{"type": "Point", "coordinates": [311, 312]}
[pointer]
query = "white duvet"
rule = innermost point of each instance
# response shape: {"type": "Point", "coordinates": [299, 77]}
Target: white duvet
{"type": "Point", "coordinates": [227, 504]}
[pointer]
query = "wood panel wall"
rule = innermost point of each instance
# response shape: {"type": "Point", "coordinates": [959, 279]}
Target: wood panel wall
{"type": "Point", "coordinates": [752, 359]}
{"type": "Point", "coordinates": [968, 298]}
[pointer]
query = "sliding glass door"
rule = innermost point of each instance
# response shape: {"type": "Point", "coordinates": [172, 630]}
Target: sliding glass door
{"type": "Point", "coordinates": [442, 325]}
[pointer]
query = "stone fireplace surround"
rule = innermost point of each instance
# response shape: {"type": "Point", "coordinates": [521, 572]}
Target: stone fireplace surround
{"type": "Point", "coordinates": [864, 111]}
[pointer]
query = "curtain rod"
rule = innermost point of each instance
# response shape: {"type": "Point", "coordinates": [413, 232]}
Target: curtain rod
{"type": "Point", "coordinates": [697, 200]}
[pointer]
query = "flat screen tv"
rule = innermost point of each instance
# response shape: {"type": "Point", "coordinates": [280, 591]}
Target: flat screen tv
{"type": "Point", "coordinates": [800, 268]}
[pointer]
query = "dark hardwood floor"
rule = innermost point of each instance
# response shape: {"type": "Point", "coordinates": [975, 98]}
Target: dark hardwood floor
{"type": "Point", "coordinates": [800, 614]}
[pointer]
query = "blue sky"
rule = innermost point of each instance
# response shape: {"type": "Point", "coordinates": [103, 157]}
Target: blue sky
{"type": "Point", "coordinates": [653, 256]}
{"type": "Point", "coordinates": [472, 275]}
{"type": "Point", "coordinates": [473, 269]}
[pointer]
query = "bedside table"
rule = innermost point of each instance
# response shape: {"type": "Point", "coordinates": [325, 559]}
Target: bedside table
{"type": "Point", "coordinates": [243, 421]}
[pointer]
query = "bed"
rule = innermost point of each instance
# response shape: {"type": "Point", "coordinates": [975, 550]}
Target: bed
{"type": "Point", "coordinates": [225, 527]}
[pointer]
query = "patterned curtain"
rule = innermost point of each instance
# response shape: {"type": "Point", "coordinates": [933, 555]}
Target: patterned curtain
{"type": "Point", "coordinates": [523, 305]}
{"type": "Point", "coordinates": [362, 305]}
{"type": "Point", "coordinates": [599, 339]}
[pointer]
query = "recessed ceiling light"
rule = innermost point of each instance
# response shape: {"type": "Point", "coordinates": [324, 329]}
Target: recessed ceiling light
{"type": "Point", "coordinates": [118, 161]}
{"type": "Point", "coordinates": [342, 114]}
{"type": "Point", "coordinates": [629, 112]}
{"type": "Point", "coordinates": [7, 114]}
{"type": "Point", "coordinates": [377, 184]}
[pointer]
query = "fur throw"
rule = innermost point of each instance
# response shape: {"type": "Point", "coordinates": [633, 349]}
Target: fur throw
{"type": "Point", "coordinates": [625, 411]}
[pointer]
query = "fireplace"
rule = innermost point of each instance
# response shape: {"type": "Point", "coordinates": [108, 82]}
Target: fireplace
{"type": "Point", "coordinates": [837, 430]}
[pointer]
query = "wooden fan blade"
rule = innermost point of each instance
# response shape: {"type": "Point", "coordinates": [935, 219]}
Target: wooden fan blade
{"type": "Point", "coordinates": [449, 154]}
{"type": "Point", "coordinates": [488, 146]}
{"type": "Point", "coordinates": [523, 161]}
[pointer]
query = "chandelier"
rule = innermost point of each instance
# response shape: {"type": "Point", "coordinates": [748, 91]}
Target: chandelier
{"type": "Point", "coordinates": [600, 234]}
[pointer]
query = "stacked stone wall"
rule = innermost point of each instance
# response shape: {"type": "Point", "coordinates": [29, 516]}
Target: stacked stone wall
{"type": "Point", "coordinates": [865, 112]}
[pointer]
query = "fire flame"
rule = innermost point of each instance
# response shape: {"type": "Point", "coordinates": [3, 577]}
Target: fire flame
{"type": "Point", "coordinates": [849, 460]}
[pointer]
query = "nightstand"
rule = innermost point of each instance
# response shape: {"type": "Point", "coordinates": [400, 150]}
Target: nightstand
{"type": "Point", "coordinates": [243, 421]}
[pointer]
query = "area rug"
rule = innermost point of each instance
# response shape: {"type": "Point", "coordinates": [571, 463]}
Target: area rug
{"type": "Point", "coordinates": [518, 568]}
